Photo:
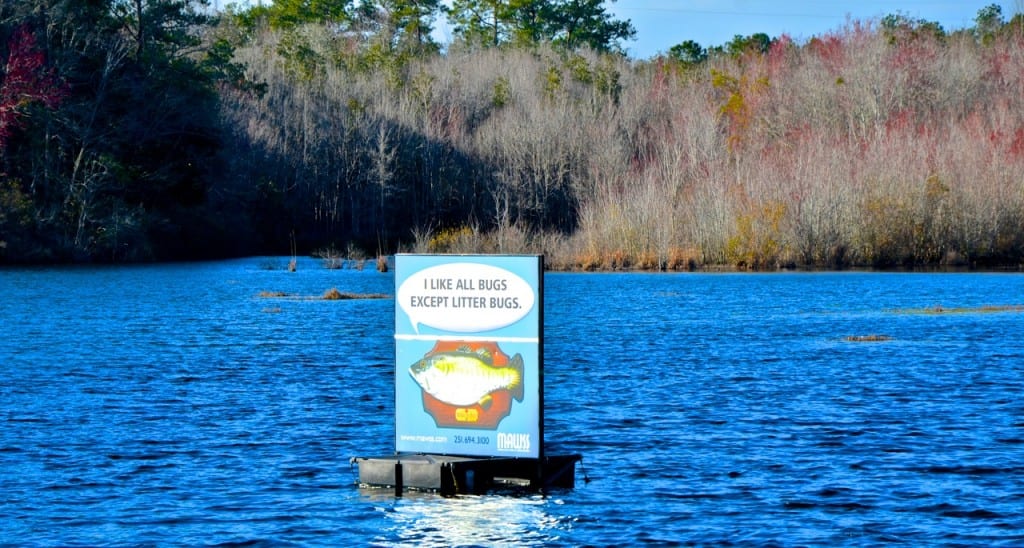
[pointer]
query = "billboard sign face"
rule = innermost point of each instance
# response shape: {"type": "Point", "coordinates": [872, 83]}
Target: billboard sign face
{"type": "Point", "coordinates": [468, 368]}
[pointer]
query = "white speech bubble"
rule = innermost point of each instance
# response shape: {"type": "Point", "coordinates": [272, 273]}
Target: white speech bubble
{"type": "Point", "coordinates": [465, 297]}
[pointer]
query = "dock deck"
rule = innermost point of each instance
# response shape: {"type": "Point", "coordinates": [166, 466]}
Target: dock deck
{"type": "Point", "coordinates": [451, 475]}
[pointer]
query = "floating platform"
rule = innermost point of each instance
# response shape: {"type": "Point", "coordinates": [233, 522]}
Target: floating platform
{"type": "Point", "coordinates": [452, 475]}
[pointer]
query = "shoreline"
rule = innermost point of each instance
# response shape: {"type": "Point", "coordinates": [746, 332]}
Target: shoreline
{"type": "Point", "coordinates": [549, 266]}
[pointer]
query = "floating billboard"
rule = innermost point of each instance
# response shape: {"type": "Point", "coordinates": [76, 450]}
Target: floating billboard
{"type": "Point", "coordinates": [468, 368]}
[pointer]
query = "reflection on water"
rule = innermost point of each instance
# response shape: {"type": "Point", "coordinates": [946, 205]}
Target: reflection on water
{"type": "Point", "coordinates": [427, 519]}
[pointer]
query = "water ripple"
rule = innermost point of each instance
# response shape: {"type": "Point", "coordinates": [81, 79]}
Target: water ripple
{"type": "Point", "coordinates": [160, 405]}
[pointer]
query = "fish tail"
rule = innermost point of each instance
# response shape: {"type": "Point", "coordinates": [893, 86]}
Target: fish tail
{"type": "Point", "coordinates": [517, 382]}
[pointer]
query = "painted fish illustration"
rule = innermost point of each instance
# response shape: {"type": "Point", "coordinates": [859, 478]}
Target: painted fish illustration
{"type": "Point", "coordinates": [464, 377]}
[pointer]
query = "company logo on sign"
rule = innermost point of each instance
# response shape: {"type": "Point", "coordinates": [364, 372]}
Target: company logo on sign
{"type": "Point", "coordinates": [518, 443]}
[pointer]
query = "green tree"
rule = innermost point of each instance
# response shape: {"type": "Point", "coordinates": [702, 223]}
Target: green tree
{"type": "Point", "coordinates": [757, 42]}
{"type": "Point", "coordinates": [570, 23]}
{"type": "Point", "coordinates": [688, 52]}
{"type": "Point", "coordinates": [899, 27]}
{"type": "Point", "coordinates": [529, 20]}
{"type": "Point", "coordinates": [480, 22]}
{"type": "Point", "coordinates": [400, 25]}
{"type": "Point", "coordinates": [988, 22]}
{"type": "Point", "coordinates": [576, 23]}
{"type": "Point", "coordinates": [283, 14]}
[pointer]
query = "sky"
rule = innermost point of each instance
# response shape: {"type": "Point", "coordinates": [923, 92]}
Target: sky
{"type": "Point", "coordinates": [661, 24]}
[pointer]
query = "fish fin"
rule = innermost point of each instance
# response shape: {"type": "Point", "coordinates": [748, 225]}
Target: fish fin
{"type": "Point", "coordinates": [517, 382]}
{"type": "Point", "coordinates": [485, 355]}
{"type": "Point", "coordinates": [485, 402]}
{"type": "Point", "coordinates": [464, 348]}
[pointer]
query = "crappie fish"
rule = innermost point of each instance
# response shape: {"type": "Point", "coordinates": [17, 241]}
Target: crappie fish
{"type": "Point", "coordinates": [464, 378]}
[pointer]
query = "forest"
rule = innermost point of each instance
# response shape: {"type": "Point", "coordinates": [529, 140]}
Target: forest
{"type": "Point", "coordinates": [153, 130]}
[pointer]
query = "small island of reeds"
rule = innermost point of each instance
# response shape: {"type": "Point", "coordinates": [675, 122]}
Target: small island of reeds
{"type": "Point", "coordinates": [332, 294]}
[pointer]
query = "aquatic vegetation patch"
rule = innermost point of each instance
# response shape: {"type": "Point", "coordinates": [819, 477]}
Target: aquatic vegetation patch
{"type": "Point", "coordinates": [332, 294]}
{"type": "Point", "coordinates": [939, 309]}
{"type": "Point", "coordinates": [867, 338]}
{"type": "Point", "coordinates": [271, 294]}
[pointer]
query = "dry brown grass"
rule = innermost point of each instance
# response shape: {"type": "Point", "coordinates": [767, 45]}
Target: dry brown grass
{"type": "Point", "coordinates": [333, 294]}
{"type": "Point", "coordinates": [272, 294]}
{"type": "Point", "coordinates": [589, 260]}
{"type": "Point", "coordinates": [682, 259]}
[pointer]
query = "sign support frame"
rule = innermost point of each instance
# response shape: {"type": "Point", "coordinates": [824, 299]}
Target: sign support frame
{"type": "Point", "coordinates": [453, 473]}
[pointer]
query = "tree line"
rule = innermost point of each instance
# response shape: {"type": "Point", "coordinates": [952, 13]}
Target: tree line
{"type": "Point", "coordinates": [138, 130]}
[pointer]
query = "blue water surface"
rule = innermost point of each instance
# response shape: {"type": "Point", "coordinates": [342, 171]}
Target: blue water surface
{"type": "Point", "coordinates": [173, 404]}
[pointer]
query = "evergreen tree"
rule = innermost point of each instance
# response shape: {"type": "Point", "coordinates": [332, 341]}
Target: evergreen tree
{"type": "Point", "coordinates": [570, 23]}
{"type": "Point", "coordinates": [283, 14]}
{"type": "Point", "coordinates": [576, 23]}
{"type": "Point", "coordinates": [688, 52]}
{"type": "Point", "coordinates": [483, 22]}
{"type": "Point", "coordinates": [403, 25]}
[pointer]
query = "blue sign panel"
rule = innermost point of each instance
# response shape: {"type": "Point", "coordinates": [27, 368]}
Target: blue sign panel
{"type": "Point", "coordinates": [468, 372]}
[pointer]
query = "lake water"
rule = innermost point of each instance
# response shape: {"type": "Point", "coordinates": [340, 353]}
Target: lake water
{"type": "Point", "coordinates": [172, 404]}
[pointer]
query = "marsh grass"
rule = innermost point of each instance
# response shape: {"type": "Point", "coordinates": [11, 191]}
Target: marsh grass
{"type": "Point", "coordinates": [333, 294]}
{"type": "Point", "coordinates": [331, 258]}
{"type": "Point", "coordinates": [333, 263]}
{"type": "Point", "coordinates": [334, 259]}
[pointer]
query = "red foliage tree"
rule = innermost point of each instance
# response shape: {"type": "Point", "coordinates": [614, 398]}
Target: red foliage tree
{"type": "Point", "coordinates": [25, 80]}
